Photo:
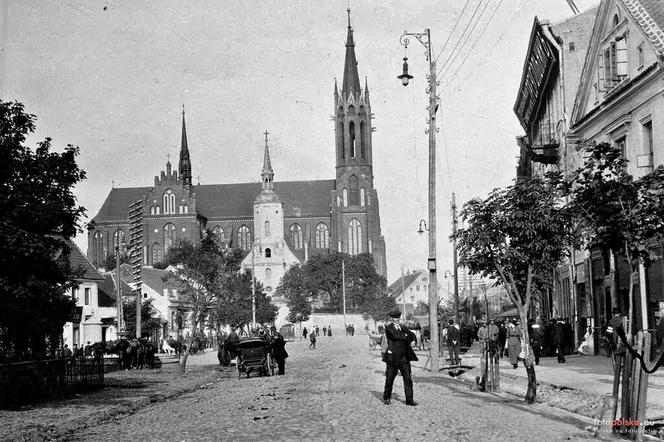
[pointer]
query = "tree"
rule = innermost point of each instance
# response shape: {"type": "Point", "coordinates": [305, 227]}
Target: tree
{"type": "Point", "coordinates": [150, 321]}
{"type": "Point", "coordinates": [320, 278]}
{"type": "Point", "coordinates": [234, 303]}
{"type": "Point", "coordinates": [110, 261]}
{"type": "Point", "coordinates": [614, 212]}
{"type": "Point", "coordinates": [626, 216]}
{"type": "Point", "coordinates": [38, 211]}
{"type": "Point", "coordinates": [201, 270]}
{"type": "Point", "coordinates": [518, 235]}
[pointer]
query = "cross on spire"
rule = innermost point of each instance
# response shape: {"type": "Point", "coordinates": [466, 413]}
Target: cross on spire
{"type": "Point", "coordinates": [266, 133]}
{"type": "Point", "coordinates": [168, 157]}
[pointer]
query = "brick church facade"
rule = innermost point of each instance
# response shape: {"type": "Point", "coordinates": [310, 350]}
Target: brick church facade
{"type": "Point", "coordinates": [311, 217]}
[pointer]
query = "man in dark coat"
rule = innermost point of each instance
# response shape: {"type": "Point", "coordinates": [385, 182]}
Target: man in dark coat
{"type": "Point", "coordinates": [279, 352]}
{"type": "Point", "coordinates": [397, 357]}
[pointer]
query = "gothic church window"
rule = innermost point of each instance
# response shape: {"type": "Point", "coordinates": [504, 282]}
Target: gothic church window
{"type": "Point", "coordinates": [343, 140]}
{"type": "Point", "coordinates": [169, 236]}
{"type": "Point", "coordinates": [169, 201]}
{"type": "Point", "coordinates": [322, 237]}
{"type": "Point", "coordinates": [363, 139]}
{"type": "Point", "coordinates": [351, 138]}
{"type": "Point", "coordinates": [344, 197]}
{"type": "Point", "coordinates": [268, 253]}
{"type": "Point", "coordinates": [156, 253]}
{"type": "Point", "coordinates": [354, 191]}
{"type": "Point", "coordinates": [98, 248]}
{"type": "Point", "coordinates": [362, 197]}
{"type": "Point", "coordinates": [244, 237]}
{"type": "Point", "coordinates": [219, 235]}
{"type": "Point", "coordinates": [354, 237]}
{"type": "Point", "coordinates": [296, 236]}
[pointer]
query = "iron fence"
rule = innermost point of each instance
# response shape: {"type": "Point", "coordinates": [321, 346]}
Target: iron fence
{"type": "Point", "coordinates": [28, 382]}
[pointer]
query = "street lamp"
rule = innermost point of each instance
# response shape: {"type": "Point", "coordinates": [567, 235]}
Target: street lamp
{"type": "Point", "coordinates": [425, 39]}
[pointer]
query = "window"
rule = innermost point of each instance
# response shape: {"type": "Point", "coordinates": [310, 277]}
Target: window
{"type": "Point", "coordinates": [87, 295]}
{"type": "Point", "coordinates": [613, 63]}
{"type": "Point", "coordinates": [157, 210]}
{"type": "Point", "coordinates": [342, 137]}
{"type": "Point", "coordinates": [244, 237]}
{"type": "Point", "coordinates": [362, 197]}
{"type": "Point", "coordinates": [184, 208]}
{"type": "Point", "coordinates": [354, 190]}
{"type": "Point", "coordinates": [363, 139]}
{"type": "Point", "coordinates": [74, 294]}
{"type": "Point", "coordinates": [268, 253]}
{"type": "Point", "coordinates": [219, 235]}
{"type": "Point", "coordinates": [354, 237]}
{"type": "Point", "coordinates": [296, 236]}
{"type": "Point", "coordinates": [622, 145]}
{"type": "Point", "coordinates": [98, 248]}
{"type": "Point", "coordinates": [151, 210]}
{"type": "Point", "coordinates": [322, 236]}
{"type": "Point", "coordinates": [417, 287]}
{"type": "Point", "coordinates": [156, 253]}
{"type": "Point", "coordinates": [169, 201]}
{"type": "Point", "coordinates": [639, 50]}
{"type": "Point", "coordinates": [351, 136]}
{"type": "Point", "coordinates": [267, 228]}
{"type": "Point", "coordinates": [268, 275]}
{"type": "Point", "coordinates": [571, 46]}
{"type": "Point", "coordinates": [648, 144]}
{"type": "Point", "coordinates": [344, 197]}
{"type": "Point", "coordinates": [169, 236]}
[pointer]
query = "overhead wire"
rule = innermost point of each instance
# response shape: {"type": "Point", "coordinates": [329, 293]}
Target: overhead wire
{"type": "Point", "coordinates": [462, 35]}
{"type": "Point", "coordinates": [463, 45]}
{"type": "Point", "coordinates": [502, 35]}
{"type": "Point", "coordinates": [452, 31]}
{"type": "Point", "coordinates": [479, 37]}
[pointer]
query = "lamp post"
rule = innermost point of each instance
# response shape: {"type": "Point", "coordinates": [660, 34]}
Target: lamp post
{"type": "Point", "coordinates": [119, 309]}
{"type": "Point", "coordinates": [425, 39]}
{"type": "Point", "coordinates": [253, 287]}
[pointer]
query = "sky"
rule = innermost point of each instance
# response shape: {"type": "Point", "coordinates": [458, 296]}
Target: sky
{"type": "Point", "coordinates": [111, 76]}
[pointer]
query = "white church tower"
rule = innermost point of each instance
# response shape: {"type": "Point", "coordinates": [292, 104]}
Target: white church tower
{"type": "Point", "coordinates": [270, 256]}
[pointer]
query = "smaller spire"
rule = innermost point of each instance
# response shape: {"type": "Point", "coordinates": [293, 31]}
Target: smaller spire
{"type": "Point", "coordinates": [336, 89]}
{"type": "Point", "coordinates": [267, 175]}
{"type": "Point", "coordinates": [349, 38]}
{"type": "Point", "coordinates": [366, 85]}
{"type": "Point", "coordinates": [267, 164]}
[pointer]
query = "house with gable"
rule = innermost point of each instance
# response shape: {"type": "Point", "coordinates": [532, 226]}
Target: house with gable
{"type": "Point", "coordinates": [410, 289]}
{"type": "Point", "coordinates": [620, 100]}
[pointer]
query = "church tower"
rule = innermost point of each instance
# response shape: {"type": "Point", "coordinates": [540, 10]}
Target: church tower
{"type": "Point", "coordinates": [270, 256]}
{"type": "Point", "coordinates": [185, 163]}
{"type": "Point", "coordinates": [355, 201]}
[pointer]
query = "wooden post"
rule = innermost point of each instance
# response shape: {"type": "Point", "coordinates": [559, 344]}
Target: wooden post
{"type": "Point", "coordinates": [641, 405]}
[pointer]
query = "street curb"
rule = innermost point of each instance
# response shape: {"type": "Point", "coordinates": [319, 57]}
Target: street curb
{"type": "Point", "coordinates": [128, 406]}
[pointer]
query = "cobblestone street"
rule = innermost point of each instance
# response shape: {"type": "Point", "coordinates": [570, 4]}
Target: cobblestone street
{"type": "Point", "coordinates": [334, 393]}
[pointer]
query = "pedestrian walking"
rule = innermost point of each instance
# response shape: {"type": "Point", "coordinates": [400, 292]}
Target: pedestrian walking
{"type": "Point", "coordinates": [329, 330]}
{"type": "Point", "coordinates": [66, 352]}
{"type": "Point", "coordinates": [312, 341]}
{"type": "Point", "coordinates": [324, 331]}
{"type": "Point", "coordinates": [514, 343]}
{"type": "Point", "coordinates": [279, 352]}
{"type": "Point", "coordinates": [502, 339]}
{"type": "Point", "coordinates": [452, 338]}
{"type": "Point", "coordinates": [397, 358]}
{"type": "Point", "coordinates": [305, 332]}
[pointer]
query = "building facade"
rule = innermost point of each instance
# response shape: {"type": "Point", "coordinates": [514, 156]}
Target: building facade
{"type": "Point", "coordinates": [311, 217]}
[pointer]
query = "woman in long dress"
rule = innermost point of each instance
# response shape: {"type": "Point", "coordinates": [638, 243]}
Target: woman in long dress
{"type": "Point", "coordinates": [514, 343]}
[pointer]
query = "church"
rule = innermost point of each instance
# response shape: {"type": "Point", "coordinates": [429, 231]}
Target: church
{"type": "Point", "coordinates": [276, 223]}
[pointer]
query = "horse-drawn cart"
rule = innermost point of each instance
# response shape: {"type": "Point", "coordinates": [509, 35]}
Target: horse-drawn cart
{"type": "Point", "coordinates": [253, 354]}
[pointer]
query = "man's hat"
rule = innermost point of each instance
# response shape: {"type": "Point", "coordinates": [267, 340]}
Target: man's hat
{"type": "Point", "coordinates": [394, 314]}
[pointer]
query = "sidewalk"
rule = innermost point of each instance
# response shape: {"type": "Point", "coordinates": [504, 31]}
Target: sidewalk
{"type": "Point", "coordinates": [583, 379]}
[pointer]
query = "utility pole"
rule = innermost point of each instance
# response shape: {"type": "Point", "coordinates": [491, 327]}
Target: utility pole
{"type": "Point", "coordinates": [343, 287]}
{"type": "Point", "coordinates": [118, 309]}
{"type": "Point", "coordinates": [253, 289]}
{"type": "Point", "coordinates": [425, 39]}
{"type": "Point", "coordinates": [454, 260]}
{"type": "Point", "coordinates": [403, 293]}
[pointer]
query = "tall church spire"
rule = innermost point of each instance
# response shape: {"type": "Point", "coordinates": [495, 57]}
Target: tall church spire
{"type": "Point", "coordinates": [267, 174]}
{"type": "Point", "coordinates": [351, 82]}
{"type": "Point", "coordinates": [185, 162]}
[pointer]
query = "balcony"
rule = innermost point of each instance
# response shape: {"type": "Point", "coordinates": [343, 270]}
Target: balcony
{"type": "Point", "coordinates": [544, 148]}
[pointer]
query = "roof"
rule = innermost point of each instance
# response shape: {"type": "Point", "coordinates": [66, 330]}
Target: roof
{"type": "Point", "coordinates": [351, 82]}
{"type": "Point", "coordinates": [300, 198]}
{"type": "Point", "coordinates": [109, 288]}
{"type": "Point", "coordinates": [157, 281]}
{"type": "Point", "coordinates": [649, 14]}
{"type": "Point", "coordinates": [395, 289]}
{"type": "Point", "coordinates": [78, 260]}
{"type": "Point", "coordinates": [116, 206]}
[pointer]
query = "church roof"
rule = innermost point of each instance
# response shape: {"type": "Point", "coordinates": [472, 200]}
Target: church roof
{"type": "Point", "coordinates": [116, 206]}
{"type": "Point", "coordinates": [300, 198]}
